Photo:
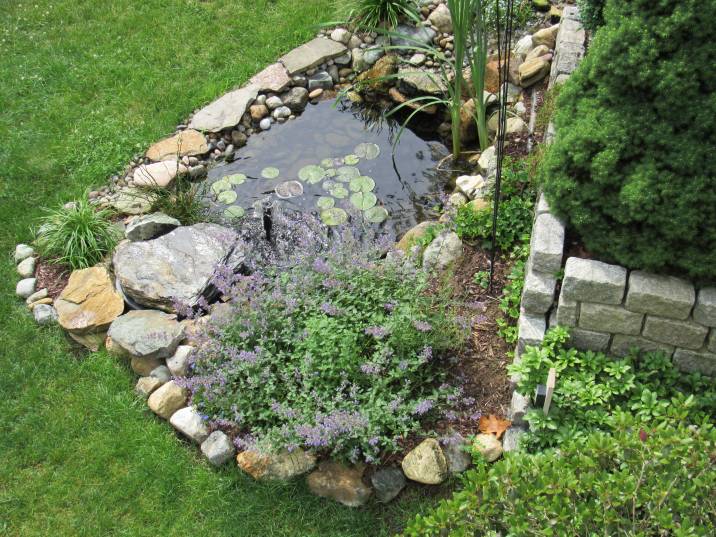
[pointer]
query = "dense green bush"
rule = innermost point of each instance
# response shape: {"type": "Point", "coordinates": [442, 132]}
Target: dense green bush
{"type": "Point", "coordinates": [77, 235]}
{"type": "Point", "coordinates": [591, 13]}
{"type": "Point", "coordinates": [633, 167]}
{"type": "Point", "coordinates": [341, 356]}
{"type": "Point", "coordinates": [640, 481]}
{"type": "Point", "coordinates": [377, 13]}
{"type": "Point", "coordinates": [591, 388]}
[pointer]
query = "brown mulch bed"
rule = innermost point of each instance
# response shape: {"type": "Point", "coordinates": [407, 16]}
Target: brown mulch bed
{"type": "Point", "coordinates": [52, 277]}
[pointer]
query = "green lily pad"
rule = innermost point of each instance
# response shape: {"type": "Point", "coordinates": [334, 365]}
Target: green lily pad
{"type": "Point", "coordinates": [327, 163]}
{"type": "Point", "coordinates": [362, 183]}
{"type": "Point", "coordinates": [363, 200]}
{"type": "Point", "coordinates": [334, 216]}
{"type": "Point", "coordinates": [339, 192]}
{"type": "Point", "coordinates": [328, 184]}
{"type": "Point", "coordinates": [351, 160]}
{"type": "Point", "coordinates": [367, 151]}
{"type": "Point", "coordinates": [236, 179]}
{"type": "Point", "coordinates": [234, 212]}
{"type": "Point", "coordinates": [311, 174]}
{"type": "Point", "coordinates": [325, 202]}
{"type": "Point", "coordinates": [330, 172]}
{"type": "Point", "coordinates": [348, 171]}
{"type": "Point", "coordinates": [227, 197]}
{"type": "Point", "coordinates": [270, 173]}
{"type": "Point", "coordinates": [376, 214]}
{"type": "Point", "coordinates": [289, 189]}
{"type": "Point", "coordinates": [220, 186]}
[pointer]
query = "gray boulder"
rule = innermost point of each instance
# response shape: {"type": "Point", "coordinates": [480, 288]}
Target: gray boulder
{"type": "Point", "coordinates": [442, 252]}
{"type": "Point", "coordinates": [388, 482]}
{"type": "Point", "coordinates": [296, 99]}
{"type": "Point", "coordinates": [218, 448]}
{"type": "Point", "coordinates": [176, 267]}
{"type": "Point", "coordinates": [321, 79]}
{"type": "Point", "coordinates": [146, 333]}
{"type": "Point", "coordinates": [25, 287]}
{"type": "Point", "coordinates": [412, 35]}
{"type": "Point", "coordinates": [44, 314]}
{"type": "Point", "coordinates": [188, 422]}
{"type": "Point", "coordinates": [23, 251]}
{"type": "Point", "coordinates": [150, 226]}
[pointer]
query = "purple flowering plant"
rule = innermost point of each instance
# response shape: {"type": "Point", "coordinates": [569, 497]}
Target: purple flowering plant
{"type": "Point", "coordinates": [330, 368]}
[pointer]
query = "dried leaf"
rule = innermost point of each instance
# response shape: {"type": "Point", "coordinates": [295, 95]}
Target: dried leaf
{"type": "Point", "coordinates": [493, 424]}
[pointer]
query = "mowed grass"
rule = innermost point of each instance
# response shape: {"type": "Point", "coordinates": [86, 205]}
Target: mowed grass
{"type": "Point", "coordinates": [84, 85]}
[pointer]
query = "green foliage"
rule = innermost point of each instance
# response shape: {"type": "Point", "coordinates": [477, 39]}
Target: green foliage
{"type": "Point", "coordinates": [482, 278]}
{"type": "Point", "coordinates": [632, 168]}
{"type": "Point", "coordinates": [592, 387]}
{"type": "Point", "coordinates": [592, 13]}
{"type": "Point", "coordinates": [522, 14]}
{"type": "Point", "coordinates": [339, 357]}
{"type": "Point", "coordinates": [377, 13]}
{"type": "Point", "coordinates": [78, 236]}
{"type": "Point", "coordinates": [640, 481]}
{"type": "Point", "coordinates": [512, 294]}
{"type": "Point", "coordinates": [516, 211]}
{"type": "Point", "coordinates": [428, 236]}
{"type": "Point", "coordinates": [182, 200]}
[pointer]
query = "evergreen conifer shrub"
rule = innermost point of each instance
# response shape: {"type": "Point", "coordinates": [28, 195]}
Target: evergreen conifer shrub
{"type": "Point", "coordinates": [633, 168]}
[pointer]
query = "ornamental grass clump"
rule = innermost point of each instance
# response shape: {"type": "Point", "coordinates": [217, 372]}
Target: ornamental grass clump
{"type": "Point", "coordinates": [340, 356]}
{"type": "Point", "coordinates": [77, 235]}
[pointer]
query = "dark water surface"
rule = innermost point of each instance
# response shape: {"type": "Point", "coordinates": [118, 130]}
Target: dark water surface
{"type": "Point", "coordinates": [407, 183]}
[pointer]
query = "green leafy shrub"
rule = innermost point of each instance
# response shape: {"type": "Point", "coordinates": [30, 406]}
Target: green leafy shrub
{"type": "Point", "coordinates": [592, 13]}
{"type": "Point", "coordinates": [640, 481]}
{"type": "Point", "coordinates": [78, 235]}
{"type": "Point", "coordinates": [512, 295]}
{"type": "Point", "coordinates": [339, 356]}
{"type": "Point", "coordinates": [516, 211]}
{"type": "Point", "coordinates": [632, 168]}
{"type": "Point", "coordinates": [592, 387]}
{"type": "Point", "coordinates": [377, 13]}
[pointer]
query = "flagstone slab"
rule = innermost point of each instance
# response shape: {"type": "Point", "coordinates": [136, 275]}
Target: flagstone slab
{"type": "Point", "coordinates": [226, 111]}
{"type": "Point", "coordinates": [311, 54]}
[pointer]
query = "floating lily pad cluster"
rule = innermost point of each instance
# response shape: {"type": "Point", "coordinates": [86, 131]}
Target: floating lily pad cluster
{"type": "Point", "coordinates": [339, 177]}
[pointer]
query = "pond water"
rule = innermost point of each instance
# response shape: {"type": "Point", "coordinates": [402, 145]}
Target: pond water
{"type": "Point", "coordinates": [334, 161]}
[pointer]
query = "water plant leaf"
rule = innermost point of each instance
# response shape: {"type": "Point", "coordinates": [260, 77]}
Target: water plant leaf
{"type": "Point", "coordinates": [328, 184]}
{"type": "Point", "coordinates": [236, 179]}
{"type": "Point", "coordinates": [234, 212]}
{"type": "Point", "coordinates": [367, 151]}
{"type": "Point", "coordinates": [339, 192]}
{"type": "Point", "coordinates": [227, 197]}
{"type": "Point", "coordinates": [376, 214]}
{"type": "Point", "coordinates": [330, 172]}
{"type": "Point", "coordinates": [220, 186]}
{"type": "Point", "coordinates": [351, 160]}
{"type": "Point", "coordinates": [311, 174]}
{"type": "Point", "coordinates": [270, 173]}
{"type": "Point", "coordinates": [327, 163]}
{"type": "Point", "coordinates": [325, 202]}
{"type": "Point", "coordinates": [362, 183]}
{"type": "Point", "coordinates": [363, 200]}
{"type": "Point", "coordinates": [334, 216]}
{"type": "Point", "coordinates": [289, 189]}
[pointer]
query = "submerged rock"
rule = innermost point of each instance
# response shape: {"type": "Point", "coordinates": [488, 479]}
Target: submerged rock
{"type": "Point", "coordinates": [176, 267]}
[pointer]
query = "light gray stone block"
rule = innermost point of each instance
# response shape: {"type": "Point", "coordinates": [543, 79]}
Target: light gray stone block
{"type": "Point", "coordinates": [664, 296]}
{"type": "Point", "coordinates": [593, 281]}
{"type": "Point", "coordinates": [712, 341]}
{"type": "Point", "coordinates": [178, 364]}
{"type": "Point", "coordinates": [542, 204]}
{"type": "Point", "coordinates": [218, 448]}
{"type": "Point", "coordinates": [538, 292]}
{"type": "Point", "coordinates": [571, 13]}
{"type": "Point", "coordinates": [547, 243]}
{"type": "Point", "coordinates": [511, 440]}
{"type": "Point", "coordinates": [188, 422]}
{"type": "Point", "coordinates": [518, 408]}
{"type": "Point", "coordinates": [622, 344]}
{"type": "Point", "coordinates": [677, 333]}
{"type": "Point", "coordinates": [612, 319]}
{"type": "Point", "coordinates": [567, 311]}
{"type": "Point", "coordinates": [588, 340]}
{"type": "Point", "coordinates": [552, 321]}
{"type": "Point", "coordinates": [530, 330]}
{"type": "Point", "coordinates": [705, 310]}
{"type": "Point", "coordinates": [691, 361]}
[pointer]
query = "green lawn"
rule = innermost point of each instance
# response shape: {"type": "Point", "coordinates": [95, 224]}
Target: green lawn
{"type": "Point", "coordinates": [84, 85]}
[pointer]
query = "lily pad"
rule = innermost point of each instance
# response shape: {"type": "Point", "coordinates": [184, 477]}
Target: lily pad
{"type": "Point", "coordinates": [348, 171]}
{"type": "Point", "coordinates": [367, 151]}
{"type": "Point", "coordinates": [328, 184]}
{"type": "Point", "coordinates": [327, 163]}
{"type": "Point", "coordinates": [227, 197]}
{"type": "Point", "coordinates": [234, 212]}
{"type": "Point", "coordinates": [270, 173]}
{"type": "Point", "coordinates": [289, 189]}
{"type": "Point", "coordinates": [339, 192]}
{"type": "Point", "coordinates": [376, 214]}
{"type": "Point", "coordinates": [325, 202]}
{"type": "Point", "coordinates": [220, 186]}
{"type": "Point", "coordinates": [351, 160]}
{"type": "Point", "coordinates": [362, 183]}
{"type": "Point", "coordinates": [334, 216]}
{"type": "Point", "coordinates": [330, 172]}
{"type": "Point", "coordinates": [236, 179]}
{"type": "Point", "coordinates": [363, 200]}
{"type": "Point", "coordinates": [311, 174]}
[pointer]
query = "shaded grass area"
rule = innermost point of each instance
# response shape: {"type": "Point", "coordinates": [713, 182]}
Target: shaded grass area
{"type": "Point", "coordinates": [86, 84]}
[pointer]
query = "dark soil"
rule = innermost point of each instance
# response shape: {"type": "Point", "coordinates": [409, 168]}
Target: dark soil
{"type": "Point", "coordinates": [52, 277]}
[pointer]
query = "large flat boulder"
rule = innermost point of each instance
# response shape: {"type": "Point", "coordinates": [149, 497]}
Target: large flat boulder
{"type": "Point", "coordinates": [146, 334]}
{"type": "Point", "coordinates": [310, 54]}
{"type": "Point", "coordinates": [226, 111]}
{"type": "Point", "coordinates": [273, 78]}
{"type": "Point", "coordinates": [176, 267]}
{"type": "Point", "coordinates": [185, 143]}
{"type": "Point", "coordinates": [88, 305]}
